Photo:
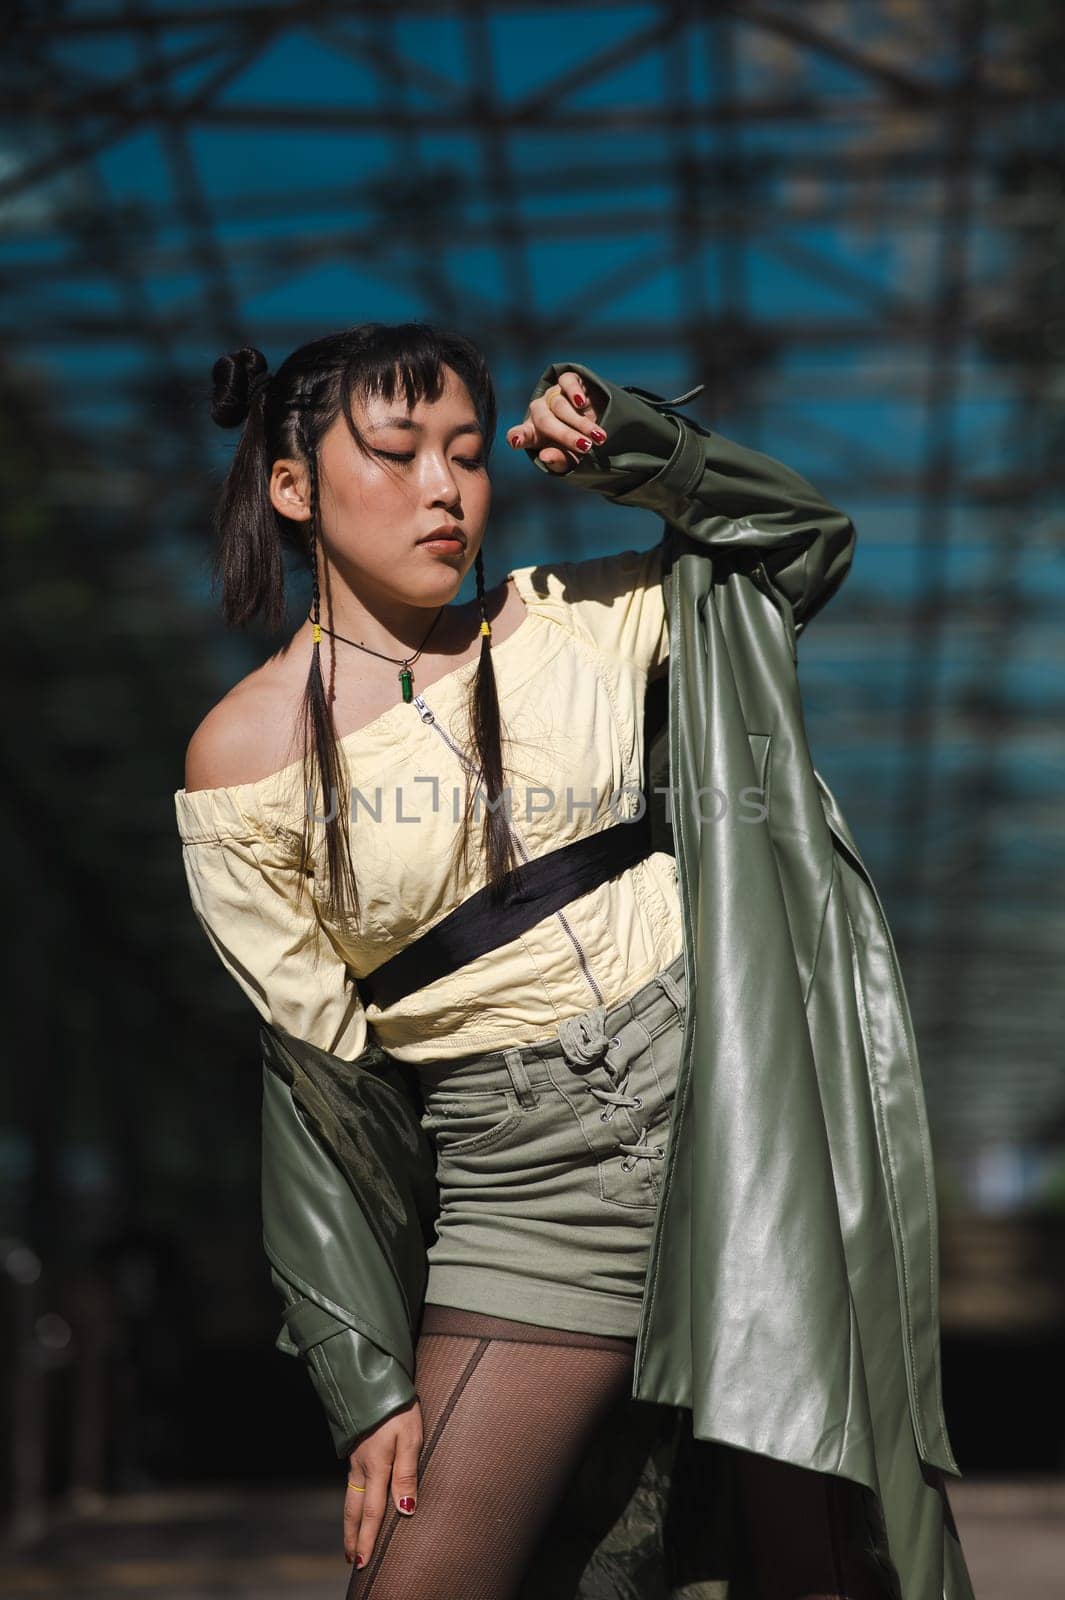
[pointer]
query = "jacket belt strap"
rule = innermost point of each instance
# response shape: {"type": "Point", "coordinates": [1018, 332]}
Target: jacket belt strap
{"type": "Point", "coordinates": [538, 888]}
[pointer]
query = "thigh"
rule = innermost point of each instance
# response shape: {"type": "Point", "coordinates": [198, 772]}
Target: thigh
{"type": "Point", "coordinates": [507, 1411]}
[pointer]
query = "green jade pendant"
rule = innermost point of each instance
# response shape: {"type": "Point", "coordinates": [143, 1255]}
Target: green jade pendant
{"type": "Point", "coordinates": [406, 679]}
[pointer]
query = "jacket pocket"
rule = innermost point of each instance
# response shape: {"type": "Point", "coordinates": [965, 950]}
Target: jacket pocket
{"type": "Point", "coordinates": [461, 1120]}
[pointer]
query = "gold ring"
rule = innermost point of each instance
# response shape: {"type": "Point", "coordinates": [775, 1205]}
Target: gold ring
{"type": "Point", "coordinates": [548, 397]}
{"type": "Point", "coordinates": [360, 1488]}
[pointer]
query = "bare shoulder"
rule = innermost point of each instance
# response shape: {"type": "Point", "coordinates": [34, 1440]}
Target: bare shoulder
{"type": "Point", "coordinates": [250, 733]}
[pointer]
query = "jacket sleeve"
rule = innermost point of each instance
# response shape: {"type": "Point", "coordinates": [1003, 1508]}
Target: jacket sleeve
{"type": "Point", "coordinates": [348, 1178]}
{"type": "Point", "coordinates": [714, 491]}
{"type": "Point", "coordinates": [348, 1201]}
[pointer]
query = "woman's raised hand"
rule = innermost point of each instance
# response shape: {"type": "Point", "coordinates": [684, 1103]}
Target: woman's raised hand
{"type": "Point", "coordinates": [566, 429]}
{"type": "Point", "coordinates": [388, 1454]}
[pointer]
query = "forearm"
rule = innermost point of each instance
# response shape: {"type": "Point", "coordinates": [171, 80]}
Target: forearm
{"type": "Point", "coordinates": [714, 491]}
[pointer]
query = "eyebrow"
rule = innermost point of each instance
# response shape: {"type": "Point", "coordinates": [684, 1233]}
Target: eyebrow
{"type": "Point", "coordinates": [412, 426]}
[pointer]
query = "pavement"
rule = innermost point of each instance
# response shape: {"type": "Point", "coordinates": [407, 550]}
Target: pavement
{"type": "Point", "coordinates": [284, 1543]}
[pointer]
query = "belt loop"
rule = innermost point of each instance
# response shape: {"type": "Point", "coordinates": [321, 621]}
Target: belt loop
{"type": "Point", "coordinates": [668, 982]}
{"type": "Point", "coordinates": [519, 1077]}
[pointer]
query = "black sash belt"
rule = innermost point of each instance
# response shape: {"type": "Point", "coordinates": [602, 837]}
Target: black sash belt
{"type": "Point", "coordinates": [538, 887]}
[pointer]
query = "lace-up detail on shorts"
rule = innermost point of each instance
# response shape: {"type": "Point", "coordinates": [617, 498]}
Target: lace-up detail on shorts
{"type": "Point", "coordinates": [584, 1040]}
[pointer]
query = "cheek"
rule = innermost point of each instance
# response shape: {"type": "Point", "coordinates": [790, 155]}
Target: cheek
{"type": "Point", "coordinates": [480, 496]}
{"type": "Point", "coordinates": [369, 497]}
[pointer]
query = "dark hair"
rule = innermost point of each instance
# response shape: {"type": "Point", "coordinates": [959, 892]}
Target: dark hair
{"type": "Point", "coordinates": [286, 414]}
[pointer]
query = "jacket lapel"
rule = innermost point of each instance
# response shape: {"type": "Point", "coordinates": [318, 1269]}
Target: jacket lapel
{"type": "Point", "coordinates": [791, 1292]}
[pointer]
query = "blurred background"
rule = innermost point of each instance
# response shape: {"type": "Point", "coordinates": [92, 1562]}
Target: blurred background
{"type": "Point", "coordinates": [847, 221]}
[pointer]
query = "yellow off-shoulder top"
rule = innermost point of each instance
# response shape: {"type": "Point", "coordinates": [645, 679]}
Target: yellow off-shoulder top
{"type": "Point", "coordinates": [571, 680]}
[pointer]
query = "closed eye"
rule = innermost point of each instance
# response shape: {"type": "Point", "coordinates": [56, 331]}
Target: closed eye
{"type": "Point", "coordinates": [464, 461]}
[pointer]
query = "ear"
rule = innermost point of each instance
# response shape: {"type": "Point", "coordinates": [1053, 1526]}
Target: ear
{"type": "Point", "coordinates": [290, 489]}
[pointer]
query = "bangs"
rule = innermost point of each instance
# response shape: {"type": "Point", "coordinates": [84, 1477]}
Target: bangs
{"type": "Point", "coordinates": [407, 360]}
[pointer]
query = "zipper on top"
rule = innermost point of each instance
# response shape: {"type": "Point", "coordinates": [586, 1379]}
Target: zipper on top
{"type": "Point", "coordinates": [428, 717]}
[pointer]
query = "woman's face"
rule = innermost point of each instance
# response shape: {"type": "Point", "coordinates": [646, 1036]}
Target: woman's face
{"type": "Point", "coordinates": [425, 471]}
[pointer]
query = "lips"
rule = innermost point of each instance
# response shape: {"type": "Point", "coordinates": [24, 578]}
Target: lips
{"type": "Point", "coordinates": [445, 533]}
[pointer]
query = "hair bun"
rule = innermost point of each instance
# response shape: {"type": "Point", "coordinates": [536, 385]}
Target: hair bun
{"type": "Point", "coordinates": [237, 377]}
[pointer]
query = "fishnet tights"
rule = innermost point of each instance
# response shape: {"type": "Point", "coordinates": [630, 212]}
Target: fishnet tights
{"type": "Point", "coordinates": [508, 1410]}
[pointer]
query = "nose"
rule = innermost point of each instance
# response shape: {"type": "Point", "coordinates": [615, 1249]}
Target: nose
{"type": "Point", "coordinates": [441, 482]}
{"type": "Point", "coordinates": [445, 497]}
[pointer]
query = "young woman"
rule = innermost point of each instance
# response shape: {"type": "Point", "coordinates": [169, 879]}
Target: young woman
{"type": "Point", "coordinates": [422, 826]}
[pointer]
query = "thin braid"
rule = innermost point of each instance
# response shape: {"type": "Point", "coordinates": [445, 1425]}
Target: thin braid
{"type": "Point", "coordinates": [478, 567]}
{"type": "Point", "coordinates": [316, 614]}
{"type": "Point", "coordinates": [323, 730]}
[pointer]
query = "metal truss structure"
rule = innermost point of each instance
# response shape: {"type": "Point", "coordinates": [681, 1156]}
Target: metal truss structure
{"type": "Point", "coordinates": [845, 219]}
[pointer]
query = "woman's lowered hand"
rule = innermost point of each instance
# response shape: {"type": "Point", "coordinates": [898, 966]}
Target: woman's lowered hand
{"type": "Point", "coordinates": [385, 1458]}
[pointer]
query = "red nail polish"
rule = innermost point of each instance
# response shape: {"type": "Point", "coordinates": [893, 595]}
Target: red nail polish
{"type": "Point", "coordinates": [597, 434]}
{"type": "Point", "coordinates": [579, 400]}
{"type": "Point", "coordinates": [359, 1562]}
{"type": "Point", "coordinates": [584, 444]}
{"type": "Point", "coordinates": [407, 1503]}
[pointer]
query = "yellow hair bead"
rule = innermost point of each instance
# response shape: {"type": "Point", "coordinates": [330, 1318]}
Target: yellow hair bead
{"type": "Point", "coordinates": [486, 628]}
{"type": "Point", "coordinates": [317, 633]}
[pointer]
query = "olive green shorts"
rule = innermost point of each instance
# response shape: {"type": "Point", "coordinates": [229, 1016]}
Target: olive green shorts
{"type": "Point", "coordinates": [549, 1160]}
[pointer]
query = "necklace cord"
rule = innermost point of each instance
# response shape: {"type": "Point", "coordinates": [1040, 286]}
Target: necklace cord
{"type": "Point", "coordinates": [405, 660]}
{"type": "Point", "coordinates": [406, 676]}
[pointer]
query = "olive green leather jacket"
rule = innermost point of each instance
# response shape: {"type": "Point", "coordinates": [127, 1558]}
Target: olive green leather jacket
{"type": "Point", "coordinates": [791, 1304]}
